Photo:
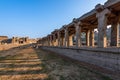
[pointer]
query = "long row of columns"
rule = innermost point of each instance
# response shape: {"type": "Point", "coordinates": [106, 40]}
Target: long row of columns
{"type": "Point", "coordinates": [66, 41]}
{"type": "Point", "coordinates": [102, 18]}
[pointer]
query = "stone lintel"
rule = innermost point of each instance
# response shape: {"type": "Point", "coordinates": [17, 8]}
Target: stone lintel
{"type": "Point", "coordinates": [111, 2]}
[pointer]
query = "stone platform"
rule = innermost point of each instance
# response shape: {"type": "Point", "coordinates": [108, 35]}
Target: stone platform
{"type": "Point", "coordinates": [108, 58]}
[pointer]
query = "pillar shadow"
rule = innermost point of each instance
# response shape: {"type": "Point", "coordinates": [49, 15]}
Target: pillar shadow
{"type": "Point", "coordinates": [8, 68]}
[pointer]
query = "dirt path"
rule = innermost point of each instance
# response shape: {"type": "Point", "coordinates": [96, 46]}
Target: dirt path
{"type": "Point", "coordinates": [37, 64]}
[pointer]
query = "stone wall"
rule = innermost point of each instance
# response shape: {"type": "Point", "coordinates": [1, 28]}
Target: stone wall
{"type": "Point", "coordinates": [108, 58]}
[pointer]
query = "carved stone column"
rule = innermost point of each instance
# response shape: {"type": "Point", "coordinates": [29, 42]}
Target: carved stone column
{"type": "Point", "coordinates": [91, 37]}
{"type": "Point", "coordinates": [115, 33]}
{"type": "Point", "coordinates": [66, 41]}
{"type": "Point", "coordinates": [42, 42]}
{"type": "Point", "coordinates": [59, 35]}
{"type": "Point", "coordinates": [13, 40]}
{"type": "Point", "coordinates": [88, 38]}
{"type": "Point", "coordinates": [51, 43]}
{"type": "Point", "coordinates": [78, 34]}
{"type": "Point", "coordinates": [54, 40]}
{"type": "Point", "coordinates": [62, 41]}
{"type": "Point", "coordinates": [102, 26]}
{"type": "Point", "coordinates": [45, 41]}
{"type": "Point", "coordinates": [71, 39]}
{"type": "Point", "coordinates": [48, 40]}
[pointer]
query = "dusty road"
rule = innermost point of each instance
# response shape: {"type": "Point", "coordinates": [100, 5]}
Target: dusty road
{"type": "Point", "coordinates": [37, 64]}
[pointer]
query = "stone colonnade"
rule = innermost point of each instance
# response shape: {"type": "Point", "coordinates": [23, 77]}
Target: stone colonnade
{"type": "Point", "coordinates": [62, 37]}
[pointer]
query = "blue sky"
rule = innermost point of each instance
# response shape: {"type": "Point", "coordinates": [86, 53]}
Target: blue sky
{"type": "Point", "coordinates": [38, 18]}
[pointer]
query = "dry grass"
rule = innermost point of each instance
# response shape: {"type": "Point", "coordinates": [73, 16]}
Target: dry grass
{"type": "Point", "coordinates": [64, 69]}
{"type": "Point", "coordinates": [20, 64]}
{"type": "Point", "coordinates": [37, 64]}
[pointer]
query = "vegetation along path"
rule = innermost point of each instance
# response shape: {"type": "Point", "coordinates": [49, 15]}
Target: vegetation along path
{"type": "Point", "coordinates": [36, 64]}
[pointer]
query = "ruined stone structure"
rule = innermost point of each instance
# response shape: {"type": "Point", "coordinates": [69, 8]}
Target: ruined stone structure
{"type": "Point", "coordinates": [67, 40]}
{"type": "Point", "coordinates": [21, 40]}
{"type": "Point", "coordinates": [16, 40]}
{"type": "Point", "coordinates": [8, 43]}
{"type": "Point", "coordinates": [98, 18]}
{"type": "Point", "coordinates": [33, 40]}
{"type": "Point", "coordinates": [2, 39]}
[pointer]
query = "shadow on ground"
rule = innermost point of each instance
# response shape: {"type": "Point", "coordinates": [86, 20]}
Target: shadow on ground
{"type": "Point", "coordinates": [21, 63]}
{"type": "Point", "coordinates": [28, 63]}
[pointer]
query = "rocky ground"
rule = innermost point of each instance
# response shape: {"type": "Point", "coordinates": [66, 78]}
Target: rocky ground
{"type": "Point", "coordinates": [37, 64]}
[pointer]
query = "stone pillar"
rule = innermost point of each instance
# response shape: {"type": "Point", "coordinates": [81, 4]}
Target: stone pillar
{"type": "Point", "coordinates": [92, 41]}
{"type": "Point", "coordinates": [78, 34]}
{"type": "Point", "coordinates": [66, 41]}
{"type": "Point", "coordinates": [42, 42]}
{"type": "Point", "coordinates": [26, 39]}
{"type": "Point", "coordinates": [13, 40]}
{"type": "Point", "coordinates": [115, 33]}
{"type": "Point", "coordinates": [88, 38]}
{"type": "Point", "coordinates": [48, 38]}
{"type": "Point", "coordinates": [51, 44]}
{"type": "Point", "coordinates": [45, 42]}
{"type": "Point", "coordinates": [62, 41]}
{"type": "Point", "coordinates": [54, 40]}
{"type": "Point", "coordinates": [59, 35]}
{"type": "Point", "coordinates": [102, 26]}
{"type": "Point", "coordinates": [71, 40]}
